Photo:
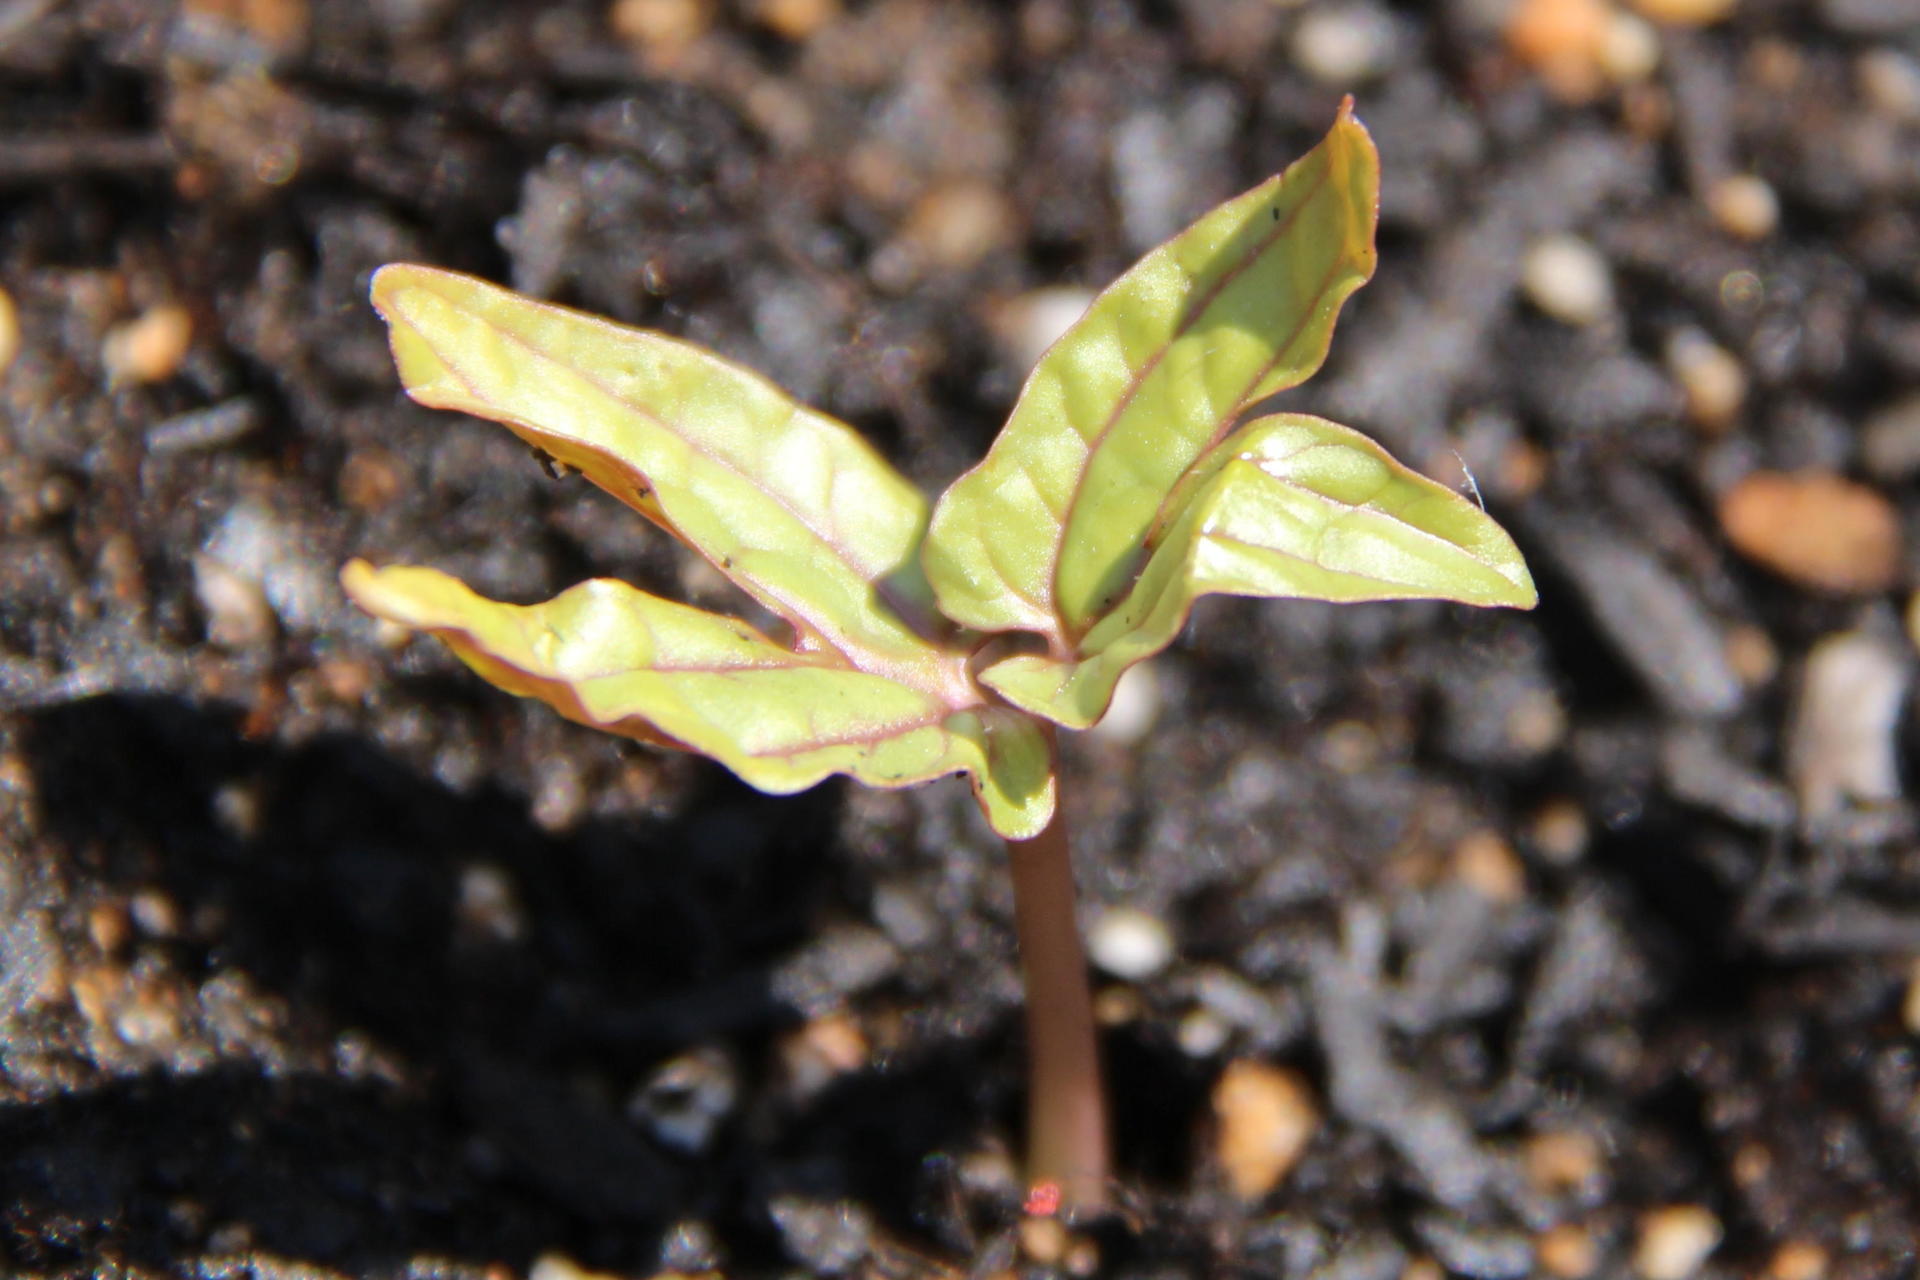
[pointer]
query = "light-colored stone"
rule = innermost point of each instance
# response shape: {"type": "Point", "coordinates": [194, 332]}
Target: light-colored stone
{"type": "Point", "coordinates": [1560, 1161]}
{"type": "Point", "coordinates": [150, 347]}
{"type": "Point", "coordinates": [1842, 742]}
{"type": "Point", "coordinates": [1135, 706]}
{"type": "Point", "coordinates": [1129, 943]}
{"type": "Point", "coordinates": [1266, 1117]}
{"type": "Point", "coordinates": [1568, 1252]}
{"type": "Point", "coordinates": [1798, 1260]}
{"type": "Point", "coordinates": [1027, 325]}
{"type": "Point", "coordinates": [1890, 82]}
{"type": "Point", "coordinates": [1487, 864]}
{"type": "Point", "coordinates": [1564, 41]}
{"type": "Point", "coordinates": [1687, 13]}
{"type": "Point", "coordinates": [235, 606]}
{"type": "Point", "coordinates": [1712, 378]}
{"type": "Point", "coordinates": [957, 224]}
{"type": "Point", "coordinates": [1566, 277]}
{"type": "Point", "coordinates": [1629, 49]}
{"type": "Point", "coordinates": [1744, 205]}
{"type": "Point", "coordinates": [1674, 1241]}
{"type": "Point", "coordinates": [795, 19]}
{"type": "Point", "coordinates": [9, 331]}
{"type": "Point", "coordinates": [1342, 46]}
{"type": "Point", "coordinates": [1816, 528]}
{"type": "Point", "coordinates": [1890, 439]}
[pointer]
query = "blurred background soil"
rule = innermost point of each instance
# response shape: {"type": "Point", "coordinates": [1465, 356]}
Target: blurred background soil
{"type": "Point", "coordinates": [1433, 942]}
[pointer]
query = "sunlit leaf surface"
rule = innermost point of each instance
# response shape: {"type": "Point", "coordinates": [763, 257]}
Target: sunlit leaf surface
{"type": "Point", "coordinates": [608, 655]}
{"type": "Point", "coordinates": [1292, 506]}
{"type": "Point", "coordinates": [1048, 531]}
{"type": "Point", "coordinates": [791, 504]}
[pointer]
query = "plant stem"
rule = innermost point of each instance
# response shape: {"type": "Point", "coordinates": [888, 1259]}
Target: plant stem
{"type": "Point", "coordinates": [1066, 1105]}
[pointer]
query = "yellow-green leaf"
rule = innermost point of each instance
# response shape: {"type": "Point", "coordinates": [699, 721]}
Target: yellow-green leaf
{"type": "Point", "coordinates": [791, 504]}
{"type": "Point", "coordinates": [610, 656]}
{"type": "Point", "coordinates": [1289, 505]}
{"type": "Point", "coordinates": [1046, 534]}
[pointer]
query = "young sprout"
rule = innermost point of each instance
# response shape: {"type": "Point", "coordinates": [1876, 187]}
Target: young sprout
{"type": "Point", "coordinates": [1135, 475]}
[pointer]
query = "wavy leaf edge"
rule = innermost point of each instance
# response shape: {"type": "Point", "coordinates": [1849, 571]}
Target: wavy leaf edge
{"type": "Point", "coordinates": [602, 653]}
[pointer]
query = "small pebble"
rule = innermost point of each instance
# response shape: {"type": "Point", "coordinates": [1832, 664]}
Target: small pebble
{"type": "Point", "coordinates": [1686, 13]}
{"type": "Point", "coordinates": [1043, 1240]}
{"type": "Point", "coordinates": [1890, 439]}
{"type": "Point", "coordinates": [109, 927]}
{"type": "Point", "coordinates": [686, 1100]}
{"type": "Point", "coordinates": [1562, 1160]}
{"type": "Point", "coordinates": [648, 22]}
{"type": "Point", "coordinates": [830, 1237]}
{"type": "Point", "coordinates": [1487, 864]}
{"type": "Point", "coordinates": [1117, 1004]}
{"type": "Point", "coordinates": [1563, 40]}
{"type": "Point", "coordinates": [1566, 277]}
{"type": "Point", "coordinates": [957, 224]}
{"type": "Point", "coordinates": [1202, 1033]}
{"type": "Point", "coordinates": [822, 1051]}
{"type": "Point", "coordinates": [1712, 378]}
{"type": "Point", "coordinates": [211, 428]}
{"type": "Point", "coordinates": [1815, 528]}
{"type": "Point", "coordinates": [1675, 1241]}
{"type": "Point", "coordinates": [1560, 831]}
{"type": "Point", "coordinates": [795, 19]}
{"type": "Point", "coordinates": [235, 606]}
{"type": "Point", "coordinates": [1567, 1251]}
{"type": "Point", "coordinates": [1890, 81]}
{"type": "Point", "coordinates": [9, 331]}
{"type": "Point", "coordinates": [150, 347]}
{"type": "Point", "coordinates": [1130, 943]}
{"type": "Point", "coordinates": [689, 1245]}
{"type": "Point", "coordinates": [1034, 321]}
{"type": "Point", "coordinates": [1752, 1164]}
{"type": "Point", "coordinates": [1266, 1117]}
{"type": "Point", "coordinates": [559, 799]}
{"type": "Point", "coordinates": [1745, 206]}
{"type": "Point", "coordinates": [1082, 1258]}
{"type": "Point", "coordinates": [1629, 49]}
{"type": "Point", "coordinates": [1343, 46]}
{"type": "Point", "coordinates": [557, 1266]}
{"type": "Point", "coordinates": [1751, 654]}
{"type": "Point", "coordinates": [488, 904]}
{"type": "Point", "coordinates": [1843, 739]}
{"type": "Point", "coordinates": [1135, 706]}
{"type": "Point", "coordinates": [1798, 1260]}
{"type": "Point", "coordinates": [155, 914]}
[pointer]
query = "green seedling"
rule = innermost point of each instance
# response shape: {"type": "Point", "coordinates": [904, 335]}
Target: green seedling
{"type": "Point", "coordinates": [1136, 474]}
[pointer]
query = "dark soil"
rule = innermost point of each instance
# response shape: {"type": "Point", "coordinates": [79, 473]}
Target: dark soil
{"type": "Point", "coordinates": [318, 957]}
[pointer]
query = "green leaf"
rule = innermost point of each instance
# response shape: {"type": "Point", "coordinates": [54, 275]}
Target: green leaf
{"type": "Point", "coordinates": [1048, 531]}
{"type": "Point", "coordinates": [610, 656]}
{"type": "Point", "coordinates": [1289, 505]}
{"type": "Point", "coordinates": [792, 505]}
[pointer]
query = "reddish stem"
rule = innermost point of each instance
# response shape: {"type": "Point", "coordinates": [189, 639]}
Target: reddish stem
{"type": "Point", "coordinates": [1066, 1105]}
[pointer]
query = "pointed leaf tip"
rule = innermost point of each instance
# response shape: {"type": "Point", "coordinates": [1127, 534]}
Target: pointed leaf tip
{"type": "Point", "coordinates": [1047, 531]}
